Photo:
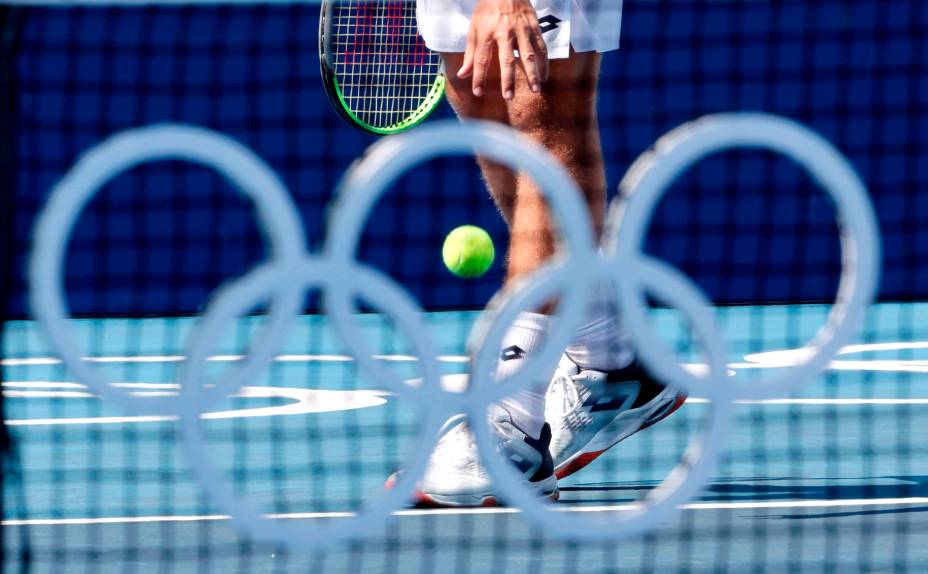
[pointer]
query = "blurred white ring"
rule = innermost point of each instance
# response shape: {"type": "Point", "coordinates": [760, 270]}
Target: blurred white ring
{"type": "Point", "coordinates": [291, 271]}
{"type": "Point", "coordinates": [277, 216]}
{"type": "Point", "coordinates": [652, 174]}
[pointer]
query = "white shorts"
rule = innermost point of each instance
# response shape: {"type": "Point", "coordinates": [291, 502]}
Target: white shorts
{"type": "Point", "coordinates": [587, 25]}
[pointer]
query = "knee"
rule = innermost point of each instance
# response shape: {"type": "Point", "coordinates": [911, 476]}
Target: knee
{"type": "Point", "coordinates": [529, 114]}
{"type": "Point", "coordinates": [561, 108]}
{"type": "Point", "coordinates": [459, 93]}
{"type": "Point", "coordinates": [491, 106]}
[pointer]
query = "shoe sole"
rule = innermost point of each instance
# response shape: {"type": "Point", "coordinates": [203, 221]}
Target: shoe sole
{"type": "Point", "coordinates": [425, 500]}
{"type": "Point", "coordinates": [582, 459]}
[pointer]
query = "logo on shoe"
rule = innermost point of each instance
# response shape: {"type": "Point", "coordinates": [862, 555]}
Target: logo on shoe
{"type": "Point", "coordinates": [619, 399]}
{"type": "Point", "coordinates": [512, 353]}
{"type": "Point", "coordinates": [548, 23]}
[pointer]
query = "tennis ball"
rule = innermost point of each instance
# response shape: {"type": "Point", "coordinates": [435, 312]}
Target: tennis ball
{"type": "Point", "coordinates": [468, 251]}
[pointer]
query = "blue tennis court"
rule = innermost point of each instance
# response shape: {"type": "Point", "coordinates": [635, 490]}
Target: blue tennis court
{"type": "Point", "coordinates": [216, 137]}
{"type": "Point", "coordinates": [837, 470]}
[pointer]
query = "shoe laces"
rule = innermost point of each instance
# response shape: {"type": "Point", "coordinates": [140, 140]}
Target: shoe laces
{"type": "Point", "coordinates": [457, 441]}
{"type": "Point", "coordinates": [457, 450]}
{"type": "Point", "coordinates": [566, 386]}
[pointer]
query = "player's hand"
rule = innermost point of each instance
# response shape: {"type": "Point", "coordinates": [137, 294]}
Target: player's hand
{"type": "Point", "coordinates": [502, 26]}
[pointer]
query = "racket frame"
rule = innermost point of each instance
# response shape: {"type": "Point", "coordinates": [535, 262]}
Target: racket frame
{"type": "Point", "coordinates": [337, 98]}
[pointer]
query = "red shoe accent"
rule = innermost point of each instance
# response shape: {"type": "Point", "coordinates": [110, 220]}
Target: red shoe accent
{"type": "Point", "coordinates": [424, 501]}
{"type": "Point", "coordinates": [577, 463]}
{"type": "Point", "coordinates": [676, 406]}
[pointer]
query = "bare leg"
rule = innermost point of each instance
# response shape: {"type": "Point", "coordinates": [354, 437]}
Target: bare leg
{"type": "Point", "coordinates": [562, 118]}
{"type": "Point", "coordinates": [501, 182]}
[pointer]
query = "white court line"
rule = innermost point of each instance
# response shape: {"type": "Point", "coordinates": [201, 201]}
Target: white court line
{"type": "Point", "coordinates": [41, 361]}
{"type": "Point", "coordinates": [839, 402]}
{"type": "Point", "coordinates": [763, 360]}
{"type": "Point", "coordinates": [303, 401]}
{"type": "Point", "coordinates": [759, 505]}
{"type": "Point", "coordinates": [307, 401]}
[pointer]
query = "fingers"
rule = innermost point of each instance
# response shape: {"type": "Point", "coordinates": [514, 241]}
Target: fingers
{"type": "Point", "coordinates": [496, 33]}
{"type": "Point", "coordinates": [482, 59]}
{"type": "Point", "coordinates": [467, 67]}
{"type": "Point", "coordinates": [541, 50]}
{"type": "Point", "coordinates": [533, 55]}
{"type": "Point", "coordinates": [507, 68]}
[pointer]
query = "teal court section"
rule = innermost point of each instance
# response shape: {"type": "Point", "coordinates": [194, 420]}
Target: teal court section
{"type": "Point", "coordinates": [839, 468]}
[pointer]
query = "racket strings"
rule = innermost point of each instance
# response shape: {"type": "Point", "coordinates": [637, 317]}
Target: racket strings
{"type": "Point", "coordinates": [384, 69]}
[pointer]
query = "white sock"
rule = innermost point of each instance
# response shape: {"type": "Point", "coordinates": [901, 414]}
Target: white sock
{"type": "Point", "coordinates": [526, 407]}
{"type": "Point", "coordinates": [601, 344]}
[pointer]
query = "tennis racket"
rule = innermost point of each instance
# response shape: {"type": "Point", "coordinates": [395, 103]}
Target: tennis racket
{"type": "Point", "coordinates": [377, 71]}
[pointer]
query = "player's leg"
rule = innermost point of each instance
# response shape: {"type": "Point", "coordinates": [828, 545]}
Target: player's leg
{"type": "Point", "coordinates": [597, 365]}
{"type": "Point", "coordinates": [560, 117]}
{"type": "Point", "coordinates": [500, 180]}
{"type": "Point", "coordinates": [597, 382]}
{"type": "Point", "coordinates": [519, 420]}
{"type": "Point", "coordinates": [599, 394]}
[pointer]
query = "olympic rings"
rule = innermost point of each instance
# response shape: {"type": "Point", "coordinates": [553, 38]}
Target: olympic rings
{"type": "Point", "coordinates": [278, 217]}
{"type": "Point", "coordinates": [635, 275]}
{"type": "Point", "coordinates": [654, 171]}
{"type": "Point", "coordinates": [292, 271]}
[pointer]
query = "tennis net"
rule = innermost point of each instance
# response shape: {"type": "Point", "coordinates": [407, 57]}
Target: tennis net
{"type": "Point", "coordinates": [828, 478]}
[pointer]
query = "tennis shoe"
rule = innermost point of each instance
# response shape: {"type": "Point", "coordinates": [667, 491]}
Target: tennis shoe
{"type": "Point", "coordinates": [591, 411]}
{"type": "Point", "coordinates": [456, 477]}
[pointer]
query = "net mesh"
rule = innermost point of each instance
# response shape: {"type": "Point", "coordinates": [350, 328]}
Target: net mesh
{"type": "Point", "coordinates": [831, 478]}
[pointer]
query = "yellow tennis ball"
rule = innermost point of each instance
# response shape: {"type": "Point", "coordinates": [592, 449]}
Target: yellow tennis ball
{"type": "Point", "coordinates": [468, 251]}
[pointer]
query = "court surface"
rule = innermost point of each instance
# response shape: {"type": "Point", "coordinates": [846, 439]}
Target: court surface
{"type": "Point", "coordinates": [835, 475]}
